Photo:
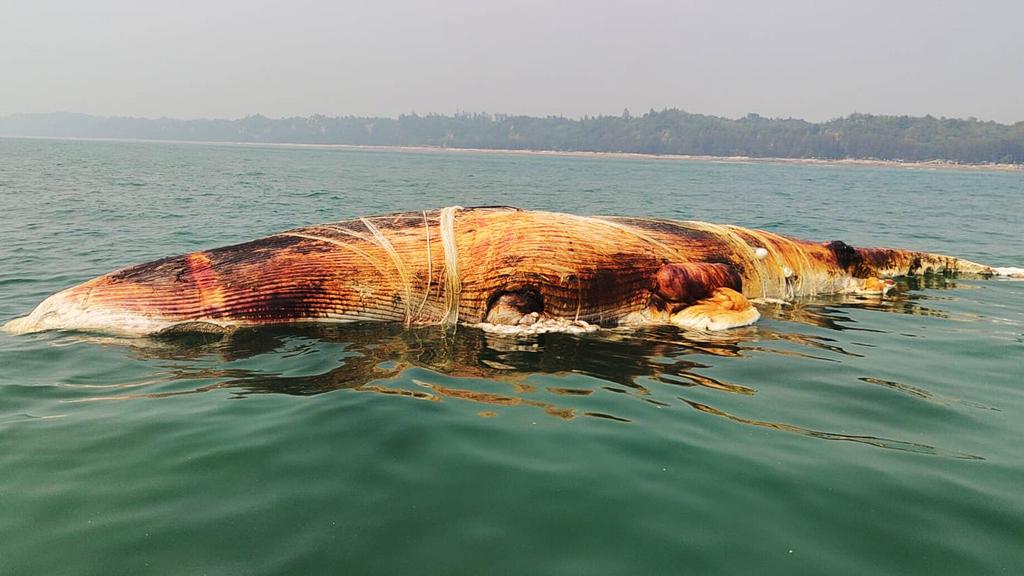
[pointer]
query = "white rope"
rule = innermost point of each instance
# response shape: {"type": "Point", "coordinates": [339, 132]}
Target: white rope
{"type": "Point", "coordinates": [370, 259]}
{"type": "Point", "coordinates": [743, 249]}
{"type": "Point", "coordinates": [634, 231]}
{"type": "Point", "coordinates": [396, 259]}
{"type": "Point", "coordinates": [430, 269]}
{"type": "Point", "coordinates": [452, 283]}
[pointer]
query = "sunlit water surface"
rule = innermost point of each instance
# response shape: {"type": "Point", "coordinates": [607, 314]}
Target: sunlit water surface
{"type": "Point", "coordinates": [836, 436]}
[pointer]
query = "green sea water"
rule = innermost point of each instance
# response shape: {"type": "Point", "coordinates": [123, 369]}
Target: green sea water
{"type": "Point", "coordinates": [836, 436]}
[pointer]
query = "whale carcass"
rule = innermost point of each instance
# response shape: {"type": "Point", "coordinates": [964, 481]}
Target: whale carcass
{"type": "Point", "coordinates": [495, 266]}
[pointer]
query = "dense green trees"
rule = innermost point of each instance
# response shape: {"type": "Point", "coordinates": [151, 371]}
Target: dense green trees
{"type": "Point", "coordinates": [665, 132]}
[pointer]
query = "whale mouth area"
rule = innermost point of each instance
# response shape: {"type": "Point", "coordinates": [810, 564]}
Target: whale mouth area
{"type": "Point", "coordinates": [520, 306]}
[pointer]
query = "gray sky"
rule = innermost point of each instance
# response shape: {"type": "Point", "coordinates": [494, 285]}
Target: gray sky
{"type": "Point", "coordinates": [814, 59]}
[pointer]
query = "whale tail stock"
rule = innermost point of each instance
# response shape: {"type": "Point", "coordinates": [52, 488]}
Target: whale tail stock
{"type": "Point", "coordinates": [892, 262]}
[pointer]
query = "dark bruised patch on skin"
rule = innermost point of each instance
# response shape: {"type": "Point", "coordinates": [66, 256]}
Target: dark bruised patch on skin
{"type": "Point", "coordinates": [267, 248]}
{"type": "Point", "coordinates": [300, 301]}
{"type": "Point", "coordinates": [739, 266]}
{"type": "Point", "coordinates": [605, 287]}
{"type": "Point", "coordinates": [683, 234]}
{"type": "Point", "coordinates": [875, 259]}
{"type": "Point", "coordinates": [658, 303]}
{"type": "Point", "coordinates": [649, 224]}
{"type": "Point", "coordinates": [652, 225]}
{"type": "Point", "coordinates": [279, 305]}
{"type": "Point", "coordinates": [610, 284]}
{"type": "Point", "coordinates": [915, 265]}
{"type": "Point", "coordinates": [151, 270]}
{"type": "Point", "coordinates": [255, 251]}
{"type": "Point", "coordinates": [286, 305]}
{"type": "Point", "coordinates": [846, 256]}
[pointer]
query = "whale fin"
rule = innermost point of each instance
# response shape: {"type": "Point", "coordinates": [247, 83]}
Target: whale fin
{"type": "Point", "coordinates": [725, 308]}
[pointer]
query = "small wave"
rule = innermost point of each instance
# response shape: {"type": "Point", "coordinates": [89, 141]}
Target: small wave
{"type": "Point", "coordinates": [14, 418]}
{"type": "Point", "coordinates": [923, 394]}
{"type": "Point", "coordinates": [878, 442]}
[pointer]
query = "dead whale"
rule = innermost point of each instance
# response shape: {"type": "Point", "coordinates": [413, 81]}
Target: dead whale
{"type": "Point", "coordinates": [499, 267]}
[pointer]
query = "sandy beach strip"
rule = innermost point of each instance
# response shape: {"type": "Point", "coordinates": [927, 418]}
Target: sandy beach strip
{"type": "Point", "coordinates": [861, 162]}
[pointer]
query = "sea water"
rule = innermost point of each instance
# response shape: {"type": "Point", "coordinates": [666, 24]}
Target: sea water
{"type": "Point", "coordinates": [836, 436]}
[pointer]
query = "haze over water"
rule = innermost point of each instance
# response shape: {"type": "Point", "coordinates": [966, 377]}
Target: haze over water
{"type": "Point", "coordinates": [787, 58]}
{"type": "Point", "coordinates": [840, 436]}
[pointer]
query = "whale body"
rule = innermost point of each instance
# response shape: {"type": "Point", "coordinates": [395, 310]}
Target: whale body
{"type": "Point", "coordinates": [494, 266]}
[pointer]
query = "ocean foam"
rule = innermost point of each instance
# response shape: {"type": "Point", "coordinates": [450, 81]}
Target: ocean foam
{"type": "Point", "coordinates": [540, 327]}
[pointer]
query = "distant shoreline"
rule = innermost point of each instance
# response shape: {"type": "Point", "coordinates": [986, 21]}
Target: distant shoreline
{"type": "Point", "coordinates": [856, 162]}
{"type": "Point", "coordinates": [932, 164]}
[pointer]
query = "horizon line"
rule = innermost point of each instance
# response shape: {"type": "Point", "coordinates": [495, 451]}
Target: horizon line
{"type": "Point", "coordinates": [462, 113]}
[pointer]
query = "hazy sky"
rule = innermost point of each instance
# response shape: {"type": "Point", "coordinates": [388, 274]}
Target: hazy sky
{"type": "Point", "coordinates": [815, 59]}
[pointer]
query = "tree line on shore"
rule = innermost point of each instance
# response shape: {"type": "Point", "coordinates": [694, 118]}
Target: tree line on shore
{"type": "Point", "coordinates": [670, 131]}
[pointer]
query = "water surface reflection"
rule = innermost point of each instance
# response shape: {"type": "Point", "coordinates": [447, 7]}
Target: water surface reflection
{"type": "Point", "coordinates": [560, 375]}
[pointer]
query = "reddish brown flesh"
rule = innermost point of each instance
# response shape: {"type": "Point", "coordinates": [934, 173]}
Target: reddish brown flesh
{"type": "Point", "coordinates": [687, 283]}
